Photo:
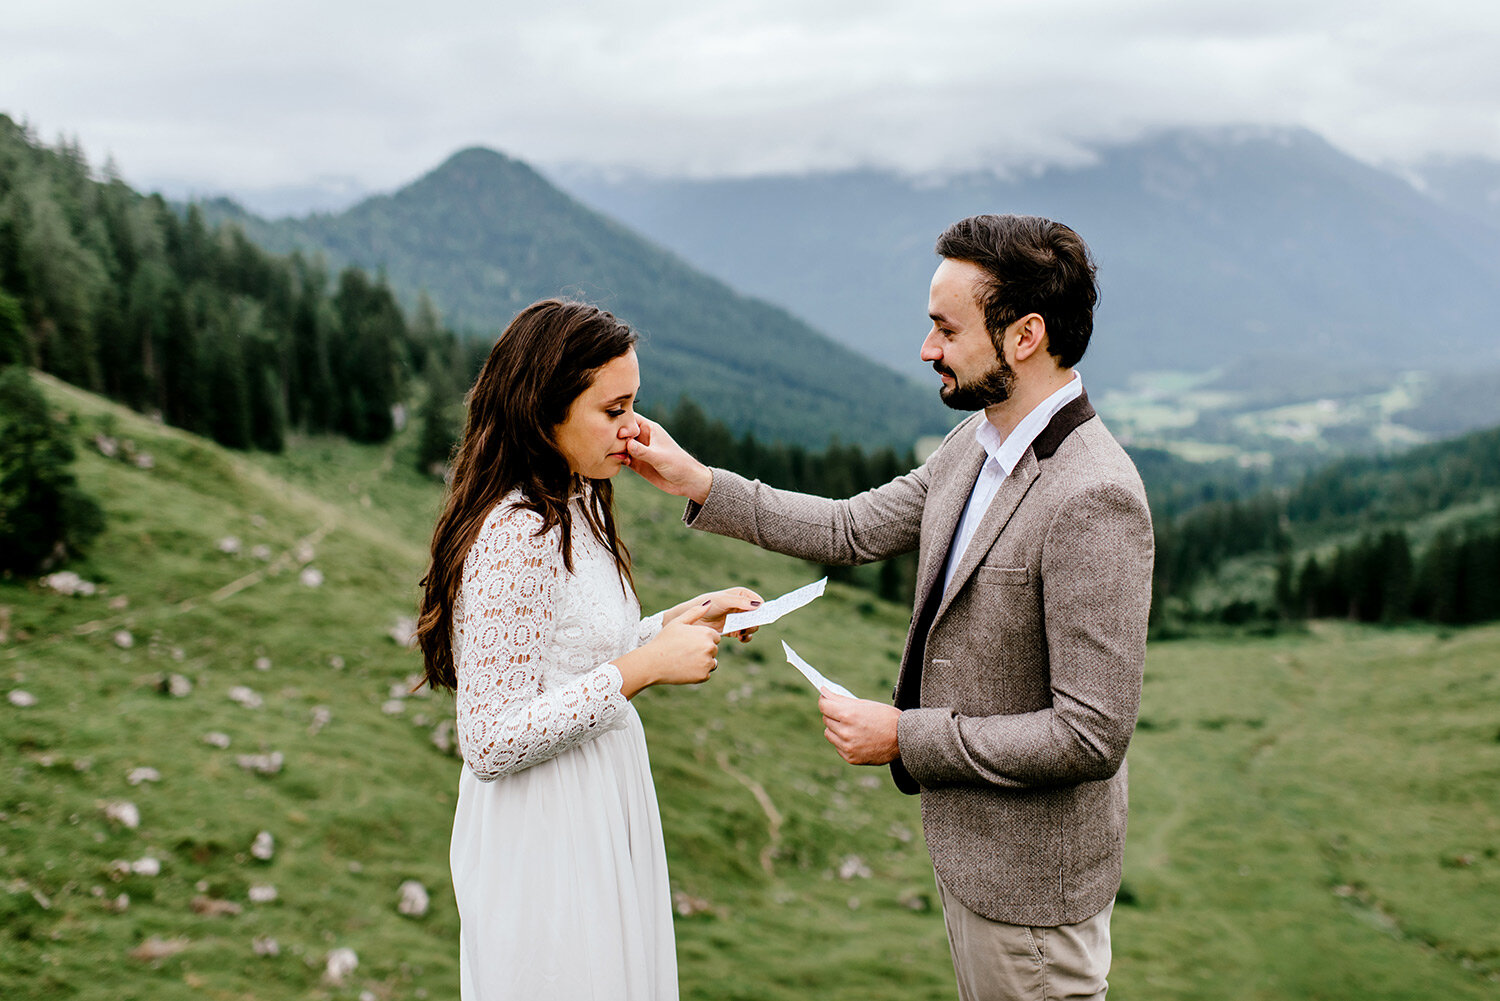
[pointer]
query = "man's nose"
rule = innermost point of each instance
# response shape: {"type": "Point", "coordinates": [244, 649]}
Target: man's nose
{"type": "Point", "coordinates": [931, 350]}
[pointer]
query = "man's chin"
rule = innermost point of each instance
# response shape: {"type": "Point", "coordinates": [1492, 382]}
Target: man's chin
{"type": "Point", "coordinates": [959, 399]}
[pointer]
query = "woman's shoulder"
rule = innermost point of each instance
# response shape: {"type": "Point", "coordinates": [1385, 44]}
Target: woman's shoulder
{"type": "Point", "coordinates": [511, 527]}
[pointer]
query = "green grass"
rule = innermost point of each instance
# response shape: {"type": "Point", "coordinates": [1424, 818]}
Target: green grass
{"type": "Point", "coordinates": [1311, 816]}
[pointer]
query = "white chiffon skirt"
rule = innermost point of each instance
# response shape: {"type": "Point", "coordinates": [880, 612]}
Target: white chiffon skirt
{"type": "Point", "coordinates": [561, 879]}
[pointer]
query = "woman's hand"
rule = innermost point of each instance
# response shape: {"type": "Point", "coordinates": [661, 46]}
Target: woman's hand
{"type": "Point", "coordinates": [719, 605]}
{"type": "Point", "coordinates": [683, 653]}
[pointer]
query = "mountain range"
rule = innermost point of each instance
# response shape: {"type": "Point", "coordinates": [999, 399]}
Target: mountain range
{"type": "Point", "coordinates": [483, 235]}
{"type": "Point", "coordinates": [1214, 246]}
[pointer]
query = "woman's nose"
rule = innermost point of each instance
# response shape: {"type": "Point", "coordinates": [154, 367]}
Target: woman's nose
{"type": "Point", "coordinates": [631, 429]}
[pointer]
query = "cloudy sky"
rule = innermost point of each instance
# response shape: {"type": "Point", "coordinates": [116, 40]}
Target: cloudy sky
{"type": "Point", "coordinates": [335, 95]}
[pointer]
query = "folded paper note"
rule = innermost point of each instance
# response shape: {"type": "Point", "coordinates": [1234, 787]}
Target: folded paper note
{"type": "Point", "coordinates": [812, 674]}
{"type": "Point", "coordinates": [774, 609]}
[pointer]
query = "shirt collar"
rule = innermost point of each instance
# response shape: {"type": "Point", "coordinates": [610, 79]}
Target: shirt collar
{"type": "Point", "coordinates": [1006, 452]}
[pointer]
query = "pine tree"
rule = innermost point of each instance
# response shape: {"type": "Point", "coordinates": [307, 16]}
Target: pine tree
{"type": "Point", "coordinates": [42, 511]}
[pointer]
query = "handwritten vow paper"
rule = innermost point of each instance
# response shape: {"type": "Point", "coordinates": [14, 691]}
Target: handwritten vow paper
{"type": "Point", "coordinates": [813, 675]}
{"type": "Point", "coordinates": [774, 609]}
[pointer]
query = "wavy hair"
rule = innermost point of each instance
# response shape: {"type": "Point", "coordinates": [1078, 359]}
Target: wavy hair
{"type": "Point", "coordinates": [1032, 265]}
{"type": "Point", "coordinates": [548, 355]}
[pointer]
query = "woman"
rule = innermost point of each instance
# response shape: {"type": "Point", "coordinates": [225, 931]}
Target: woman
{"type": "Point", "coordinates": [530, 616]}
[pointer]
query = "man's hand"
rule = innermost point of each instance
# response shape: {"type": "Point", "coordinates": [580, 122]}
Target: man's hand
{"type": "Point", "coordinates": [665, 465]}
{"type": "Point", "coordinates": [864, 732]}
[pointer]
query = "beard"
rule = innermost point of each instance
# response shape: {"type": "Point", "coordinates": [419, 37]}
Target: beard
{"type": "Point", "coordinates": [994, 386]}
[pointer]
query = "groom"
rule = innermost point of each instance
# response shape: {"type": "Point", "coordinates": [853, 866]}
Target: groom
{"type": "Point", "coordinates": [1021, 679]}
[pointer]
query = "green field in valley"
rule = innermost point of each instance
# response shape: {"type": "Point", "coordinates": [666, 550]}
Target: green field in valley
{"type": "Point", "coordinates": [1313, 816]}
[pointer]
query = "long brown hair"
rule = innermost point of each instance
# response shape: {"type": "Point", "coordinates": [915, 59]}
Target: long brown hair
{"type": "Point", "coordinates": [549, 354]}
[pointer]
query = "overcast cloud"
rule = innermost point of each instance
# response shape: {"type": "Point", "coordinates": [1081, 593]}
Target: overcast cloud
{"type": "Point", "coordinates": [239, 96]}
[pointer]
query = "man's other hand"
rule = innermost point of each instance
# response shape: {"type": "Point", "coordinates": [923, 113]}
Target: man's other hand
{"type": "Point", "coordinates": [665, 465]}
{"type": "Point", "coordinates": [863, 732]}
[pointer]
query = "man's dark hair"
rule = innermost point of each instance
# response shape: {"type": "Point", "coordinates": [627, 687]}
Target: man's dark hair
{"type": "Point", "coordinates": [1033, 265]}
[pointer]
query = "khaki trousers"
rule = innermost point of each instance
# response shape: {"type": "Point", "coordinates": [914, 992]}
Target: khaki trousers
{"type": "Point", "coordinates": [995, 961]}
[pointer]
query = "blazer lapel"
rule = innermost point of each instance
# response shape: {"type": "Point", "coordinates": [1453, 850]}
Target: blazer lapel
{"type": "Point", "coordinates": [946, 498]}
{"type": "Point", "coordinates": [1011, 492]}
{"type": "Point", "coordinates": [1007, 499]}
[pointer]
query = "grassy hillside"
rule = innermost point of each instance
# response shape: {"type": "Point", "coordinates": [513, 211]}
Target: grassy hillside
{"type": "Point", "coordinates": [1312, 817]}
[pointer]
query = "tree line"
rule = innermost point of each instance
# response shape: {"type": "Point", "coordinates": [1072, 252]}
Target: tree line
{"type": "Point", "coordinates": [1381, 576]}
{"type": "Point", "coordinates": [121, 294]}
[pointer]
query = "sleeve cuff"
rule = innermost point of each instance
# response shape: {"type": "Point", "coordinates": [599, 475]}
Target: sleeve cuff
{"type": "Point", "coordinates": [929, 751]}
{"type": "Point", "coordinates": [648, 628]}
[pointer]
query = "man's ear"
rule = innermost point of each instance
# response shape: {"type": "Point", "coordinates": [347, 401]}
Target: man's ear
{"type": "Point", "coordinates": [1031, 336]}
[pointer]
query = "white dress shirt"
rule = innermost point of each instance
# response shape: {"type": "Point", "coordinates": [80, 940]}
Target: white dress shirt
{"type": "Point", "coordinates": [1003, 456]}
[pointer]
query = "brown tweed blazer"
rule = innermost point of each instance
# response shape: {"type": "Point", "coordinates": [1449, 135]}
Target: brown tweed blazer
{"type": "Point", "coordinates": [1020, 684]}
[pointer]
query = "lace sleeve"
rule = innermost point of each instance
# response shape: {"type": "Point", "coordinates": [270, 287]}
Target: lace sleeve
{"type": "Point", "coordinates": [506, 720]}
{"type": "Point", "coordinates": [649, 627]}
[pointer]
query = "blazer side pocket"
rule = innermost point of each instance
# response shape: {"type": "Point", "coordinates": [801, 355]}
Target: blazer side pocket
{"type": "Point", "coordinates": [1007, 576]}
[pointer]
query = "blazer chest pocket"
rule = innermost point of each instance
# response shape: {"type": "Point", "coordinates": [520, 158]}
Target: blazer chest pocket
{"type": "Point", "coordinates": [1006, 576]}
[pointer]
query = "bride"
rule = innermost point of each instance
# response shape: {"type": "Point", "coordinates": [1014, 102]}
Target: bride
{"type": "Point", "coordinates": [529, 615]}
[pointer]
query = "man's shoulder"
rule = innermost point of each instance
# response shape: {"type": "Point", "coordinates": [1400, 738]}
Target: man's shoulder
{"type": "Point", "coordinates": [1091, 455]}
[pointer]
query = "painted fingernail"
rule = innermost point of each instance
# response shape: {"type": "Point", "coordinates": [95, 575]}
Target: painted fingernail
{"type": "Point", "coordinates": [754, 604]}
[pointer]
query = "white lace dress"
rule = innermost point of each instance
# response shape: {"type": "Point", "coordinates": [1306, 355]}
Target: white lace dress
{"type": "Point", "coordinates": [557, 855]}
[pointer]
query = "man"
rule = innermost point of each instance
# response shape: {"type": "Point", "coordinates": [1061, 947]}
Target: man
{"type": "Point", "coordinates": [1021, 680]}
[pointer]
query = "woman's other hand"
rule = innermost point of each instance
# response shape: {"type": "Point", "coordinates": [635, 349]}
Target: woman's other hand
{"type": "Point", "coordinates": [720, 604]}
{"type": "Point", "coordinates": [683, 653]}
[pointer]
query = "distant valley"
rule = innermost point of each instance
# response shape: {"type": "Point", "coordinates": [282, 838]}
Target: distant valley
{"type": "Point", "coordinates": [1272, 269]}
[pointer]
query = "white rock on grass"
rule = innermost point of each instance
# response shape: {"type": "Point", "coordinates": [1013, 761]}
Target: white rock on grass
{"type": "Point", "coordinates": [263, 764]}
{"type": "Point", "coordinates": [123, 639]}
{"type": "Point", "coordinates": [404, 632]}
{"type": "Point", "coordinates": [21, 699]}
{"type": "Point", "coordinates": [245, 697]}
{"type": "Point", "coordinates": [853, 867]}
{"type": "Point", "coordinates": [393, 707]}
{"type": "Point", "coordinates": [107, 446]}
{"type": "Point", "coordinates": [216, 739]}
{"type": "Point", "coordinates": [264, 846]}
{"type": "Point", "coordinates": [263, 893]}
{"type": "Point", "coordinates": [311, 577]}
{"type": "Point", "coordinates": [261, 552]}
{"type": "Point", "coordinates": [145, 461]}
{"type": "Point", "coordinates": [139, 775]}
{"type": "Point", "coordinates": [229, 545]}
{"type": "Point", "coordinates": [118, 905]}
{"type": "Point", "coordinates": [176, 685]}
{"type": "Point", "coordinates": [262, 663]}
{"type": "Point", "coordinates": [341, 962]}
{"type": "Point", "coordinates": [146, 866]}
{"type": "Point", "coordinates": [414, 900]}
{"type": "Point", "coordinates": [68, 582]}
{"type": "Point", "coordinates": [265, 945]}
{"type": "Point", "coordinates": [442, 736]}
{"type": "Point", "coordinates": [321, 717]}
{"type": "Point", "coordinates": [124, 813]}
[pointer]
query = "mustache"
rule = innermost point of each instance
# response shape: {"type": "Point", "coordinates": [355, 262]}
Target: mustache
{"type": "Point", "coordinates": [942, 369]}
